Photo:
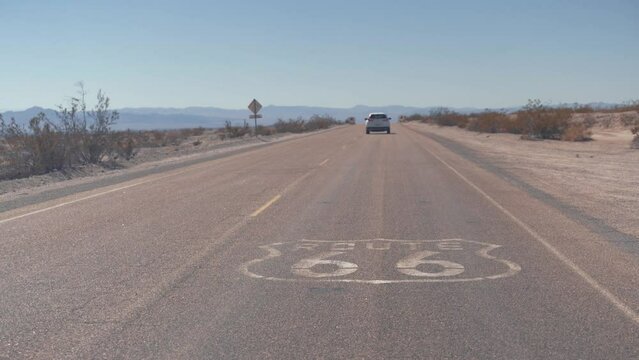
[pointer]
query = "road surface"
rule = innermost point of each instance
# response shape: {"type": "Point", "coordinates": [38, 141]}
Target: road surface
{"type": "Point", "coordinates": [336, 245]}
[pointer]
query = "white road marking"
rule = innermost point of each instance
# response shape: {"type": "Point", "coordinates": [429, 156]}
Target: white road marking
{"type": "Point", "coordinates": [303, 267]}
{"type": "Point", "coordinates": [406, 266]}
{"type": "Point", "coordinates": [85, 198]}
{"type": "Point", "coordinates": [613, 299]}
{"type": "Point", "coordinates": [343, 246]}
{"type": "Point", "coordinates": [454, 246]}
{"type": "Point", "coordinates": [324, 162]}
{"type": "Point", "coordinates": [265, 206]}
{"type": "Point", "coordinates": [188, 169]}
{"type": "Point", "coordinates": [378, 245]}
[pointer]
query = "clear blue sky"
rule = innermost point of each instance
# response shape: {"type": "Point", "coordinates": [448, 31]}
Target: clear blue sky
{"type": "Point", "coordinates": [324, 53]}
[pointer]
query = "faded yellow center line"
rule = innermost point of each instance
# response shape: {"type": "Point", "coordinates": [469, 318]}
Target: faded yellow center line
{"type": "Point", "coordinates": [265, 206]}
{"type": "Point", "coordinates": [324, 162]}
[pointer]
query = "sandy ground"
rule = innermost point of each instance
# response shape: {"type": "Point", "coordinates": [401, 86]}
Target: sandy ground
{"type": "Point", "coordinates": [599, 177]}
{"type": "Point", "coordinates": [209, 144]}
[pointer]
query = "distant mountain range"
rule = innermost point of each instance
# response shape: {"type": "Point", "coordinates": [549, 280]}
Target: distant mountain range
{"type": "Point", "coordinates": [212, 117]}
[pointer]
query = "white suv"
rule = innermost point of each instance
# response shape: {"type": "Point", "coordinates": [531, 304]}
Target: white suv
{"type": "Point", "coordinates": [377, 122]}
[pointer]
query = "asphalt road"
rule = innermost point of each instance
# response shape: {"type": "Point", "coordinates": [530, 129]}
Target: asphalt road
{"type": "Point", "coordinates": [336, 245]}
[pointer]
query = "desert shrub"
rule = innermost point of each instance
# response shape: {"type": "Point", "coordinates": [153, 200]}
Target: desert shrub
{"type": "Point", "coordinates": [299, 125]}
{"type": "Point", "coordinates": [493, 122]}
{"type": "Point", "coordinates": [186, 133]}
{"type": "Point", "coordinates": [290, 126]}
{"type": "Point", "coordinates": [172, 138]}
{"type": "Point", "coordinates": [156, 138]}
{"type": "Point", "coordinates": [542, 122]}
{"type": "Point", "coordinates": [161, 138]}
{"type": "Point", "coordinates": [414, 117]}
{"type": "Point", "coordinates": [76, 137]}
{"type": "Point", "coordinates": [582, 109]}
{"type": "Point", "coordinates": [577, 132]}
{"type": "Point", "coordinates": [630, 119]}
{"type": "Point", "coordinates": [632, 105]}
{"type": "Point", "coordinates": [126, 145]}
{"type": "Point", "coordinates": [446, 117]}
{"type": "Point", "coordinates": [317, 122]}
{"type": "Point", "coordinates": [231, 131]}
{"type": "Point", "coordinates": [589, 120]}
{"type": "Point", "coordinates": [635, 140]}
{"type": "Point", "coordinates": [265, 130]}
{"type": "Point", "coordinates": [97, 142]}
{"type": "Point", "coordinates": [36, 150]}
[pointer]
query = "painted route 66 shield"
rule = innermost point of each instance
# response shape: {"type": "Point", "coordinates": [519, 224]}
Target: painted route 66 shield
{"type": "Point", "coordinates": [380, 261]}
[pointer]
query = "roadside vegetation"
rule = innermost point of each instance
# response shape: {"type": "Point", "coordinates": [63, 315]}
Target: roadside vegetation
{"type": "Point", "coordinates": [80, 136]}
{"type": "Point", "coordinates": [77, 135]}
{"type": "Point", "coordinates": [293, 126]}
{"type": "Point", "coordinates": [535, 121]}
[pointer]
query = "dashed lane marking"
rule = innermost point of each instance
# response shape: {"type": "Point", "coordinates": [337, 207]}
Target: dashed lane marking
{"type": "Point", "coordinates": [265, 206]}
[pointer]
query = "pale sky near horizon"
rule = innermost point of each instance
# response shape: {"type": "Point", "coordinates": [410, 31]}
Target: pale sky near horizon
{"type": "Point", "coordinates": [319, 53]}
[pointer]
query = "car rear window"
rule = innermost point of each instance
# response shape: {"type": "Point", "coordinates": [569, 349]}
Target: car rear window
{"type": "Point", "coordinates": [378, 116]}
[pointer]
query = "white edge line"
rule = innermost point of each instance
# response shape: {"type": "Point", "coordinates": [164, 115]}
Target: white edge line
{"type": "Point", "coordinates": [613, 299]}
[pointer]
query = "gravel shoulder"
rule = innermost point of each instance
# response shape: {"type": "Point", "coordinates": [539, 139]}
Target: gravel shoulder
{"type": "Point", "coordinates": [599, 178]}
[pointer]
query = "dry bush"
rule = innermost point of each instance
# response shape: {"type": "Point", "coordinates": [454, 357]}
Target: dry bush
{"type": "Point", "coordinates": [494, 122]}
{"type": "Point", "coordinates": [635, 140]}
{"type": "Point", "coordinates": [265, 130]}
{"type": "Point", "coordinates": [33, 151]}
{"type": "Point", "coordinates": [630, 119]}
{"type": "Point", "coordinates": [161, 138]}
{"type": "Point", "coordinates": [231, 131]}
{"type": "Point", "coordinates": [317, 122]}
{"type": "Point", "coordinates": [186, 133]}
{"type": "Point", "coordinates": [582, 109]}
{"type": "Point", "coordinates": [446, 117]}
{"type": "Point", "coordinates": [543, 122]}
{"type": "Point", "coordinates": [76, 137]}
{"type": "Point", "coordinates": [632, 105]}
{"type": "Point", "coordinates": [299, 125]}
{"type": "Point", "coordinates": [172, 138]}
{"type": "Point", "coordinates": [589, 120]}
{"type": "Point", "coordinates": [577, 132]}
{"type": "Point", "coordinates": [126, 145]}
{"type": "Point", "coordinates": [290, 126]}
{"type": "Point", "coordinates": [414, 117]}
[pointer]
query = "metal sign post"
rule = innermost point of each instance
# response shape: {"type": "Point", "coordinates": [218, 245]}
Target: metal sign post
{"type": "Point", "coordinates": [255, 108]}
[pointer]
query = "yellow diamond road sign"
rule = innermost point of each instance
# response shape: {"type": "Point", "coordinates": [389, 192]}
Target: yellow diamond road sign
{"type": "Point", "coordinates": [255, 106]}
